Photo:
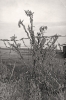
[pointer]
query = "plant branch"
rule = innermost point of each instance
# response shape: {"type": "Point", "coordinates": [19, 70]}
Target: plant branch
{"type": "Point", "coordinates": [13, 71]}
{"type": "Point", "coordinates": [18, 51]}
{"type": "Point", "coordinates": [21, 23]}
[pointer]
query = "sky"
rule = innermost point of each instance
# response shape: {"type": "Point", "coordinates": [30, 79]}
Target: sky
{"type": "Point", "coordinates": [50, 12]}
{"type": "Point", "coordinates": [44, 10]}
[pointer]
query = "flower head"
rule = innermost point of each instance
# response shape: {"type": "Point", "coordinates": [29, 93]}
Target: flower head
{"type": "Point", "coordinates": [13, 38]}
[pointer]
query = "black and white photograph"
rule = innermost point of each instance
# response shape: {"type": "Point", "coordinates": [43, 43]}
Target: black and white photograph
{"type": "Point", "coordinates": [32, 49]}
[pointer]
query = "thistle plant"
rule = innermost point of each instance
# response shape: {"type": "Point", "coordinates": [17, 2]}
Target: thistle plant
{"type": "Point", "coordinates": [44, 63]}
{"type": "Point", "coordinates": [39, 54]}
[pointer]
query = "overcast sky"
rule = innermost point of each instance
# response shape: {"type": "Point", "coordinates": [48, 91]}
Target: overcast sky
{"type": "Point", "coordinates": [51, 11]}
{"type": "Point", "coordinates": [45, 10]}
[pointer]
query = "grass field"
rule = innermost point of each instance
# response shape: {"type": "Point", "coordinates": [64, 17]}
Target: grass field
{"type": "Point", "coordinates": [26, 53]}
{"type": "Point", "coordinates": [22, 74]}
{"type": "Point", "coordinates": [6, 53]}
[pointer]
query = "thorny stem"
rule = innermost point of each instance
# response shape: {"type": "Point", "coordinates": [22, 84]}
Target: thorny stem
{"type": "Point", "coordinates": [13, 70]}
{"type": "Point", "coordinates": [25, 30]}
